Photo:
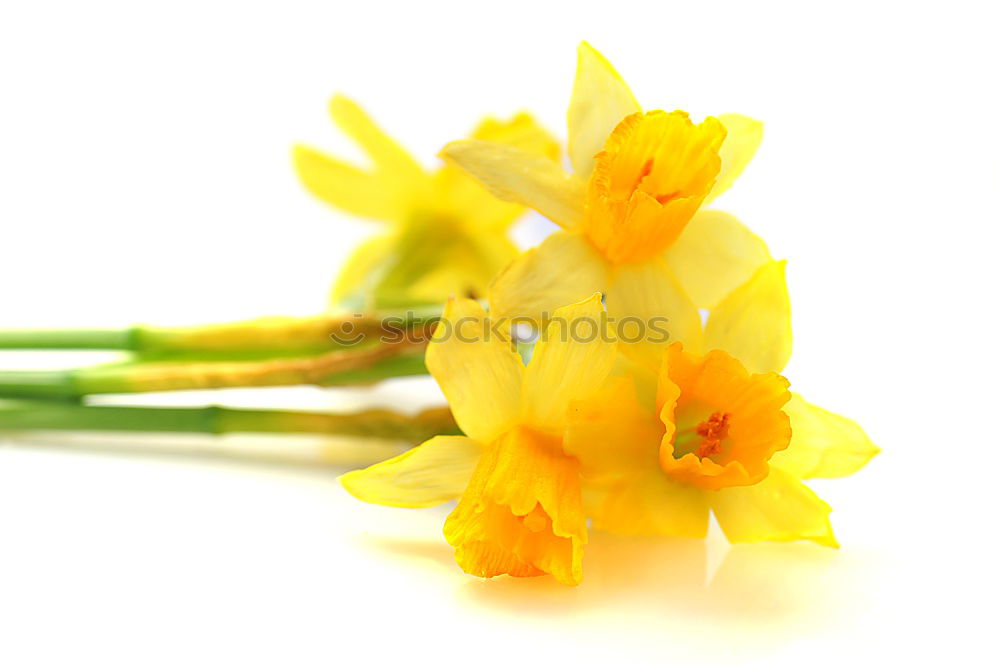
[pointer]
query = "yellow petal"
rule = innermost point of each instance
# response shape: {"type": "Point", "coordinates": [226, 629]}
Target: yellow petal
{"type": "Point", "coordinates": [651, 503]}
{"type": "Point", "coordinates": [477, 370]}
{"type": "Point", "coordinates": [753, 323]}
{"type": "Point", "coordinates": [571, 358]}
{"type": "Point", "coordinates": [617, 440]}
{"type": "Point", "coordinates": [564, 269]}
{"type": "Point", "coordinates": [613, 433]}
{"type": "Point", "coordinates": [713, 255]}
{"type": "Point", "coordinates": [387, 192]}
{"type": "Point", "coordinates": [394, 165]}
{"type": "Point", "coordinates": [778, 508]}
{"type": "Point", "coordinates": [460, 196]}
{"type": "Point", "coordinates": [463, 197]}
{"type": "Point", "coordinates": [645, 297]}
{"type": "Point", "coordinates": [824, 445]}
{"type": "Point", "coordinates": [601, 99]}
{"type": "Point", "coordinates": [345, 186]}
{"type": "Point", "coordinates": [516, 175]}
{"type": "Point", "coordinates": [436, 471]}
{"type": "Point", "coordinates": [359, 273]}
{"type": "Point", "coordinates": [743, 137]}
{"type": "Point", "coordinates": [521, 131]}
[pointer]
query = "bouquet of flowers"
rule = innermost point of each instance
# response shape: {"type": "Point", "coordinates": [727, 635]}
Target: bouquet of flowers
{"type": "Point", "coordinates": [624, 375]}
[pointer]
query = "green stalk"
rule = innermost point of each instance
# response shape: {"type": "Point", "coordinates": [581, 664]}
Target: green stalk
{"type": "Point", "coordinates": [123, 339]}
{"type": "Point", "coordinates": [342, 367]}
{"type": "Point", "coordinates": [21, 415]}
{"type": "Point", "coordinates": [273, 335]}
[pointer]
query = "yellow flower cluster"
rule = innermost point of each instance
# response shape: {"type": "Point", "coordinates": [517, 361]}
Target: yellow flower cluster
{"type": "Point", "coordinates": [634, 434]}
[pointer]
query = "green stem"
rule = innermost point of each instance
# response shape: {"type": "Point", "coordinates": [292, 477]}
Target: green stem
{"type": "Point", "coordinates": [274, 334]}
{"type": "Point", "coordinates": [124, 339]}
{"type": "Point", "coordinates": [20, 415]}
{"type": "Point", "coordinates": [343, 367]}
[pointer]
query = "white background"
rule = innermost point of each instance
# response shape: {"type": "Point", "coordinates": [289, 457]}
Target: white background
{"type": "Point", "coordinates": [145, 177]}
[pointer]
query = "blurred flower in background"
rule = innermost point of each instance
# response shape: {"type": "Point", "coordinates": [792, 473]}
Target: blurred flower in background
{"type": "Point", "coordinates": [446, 234]}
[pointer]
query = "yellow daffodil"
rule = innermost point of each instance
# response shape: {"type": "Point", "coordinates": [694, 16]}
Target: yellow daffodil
{"type": "Point", "coordinates": [688, 433]}
{"type": "Point", "coordinates": [631, 218]}
{"type": "Point", "coordinates": [520, 509]}
{"type": "Point", "coordinates": [446, 236]}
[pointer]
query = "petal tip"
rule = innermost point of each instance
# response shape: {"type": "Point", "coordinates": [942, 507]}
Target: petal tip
{"type": "Point", "coordinates": [448, 149]}
{"type": "Point", "coordinates": [339, 101]}
{"type": "Point", "coordinates": [827, 541]}
{"type": "Point", "coordinates": [353, 483]}
{"type": "Point", "coordinates": [299, 153]}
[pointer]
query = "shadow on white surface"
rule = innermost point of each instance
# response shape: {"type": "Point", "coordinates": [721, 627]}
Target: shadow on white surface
{"type": "Point", "coordinates": [759, 597]}
{"type": "Point", "coordinates": [649, 596]}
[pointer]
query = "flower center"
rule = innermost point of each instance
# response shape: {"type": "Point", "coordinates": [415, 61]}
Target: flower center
{"type": "Point", "coordinates": [704, 439]}
{"type": "Point", "coordinates": [724, 422]}
{"type": "Point", "coordinates": [712, 432]}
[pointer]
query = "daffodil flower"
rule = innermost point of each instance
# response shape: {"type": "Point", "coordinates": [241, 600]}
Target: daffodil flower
{"type": "Point", "coordinates": [520, 508]}
{"type": "Point", "coordinates": [688, 433]}
{"type": "Point", "coordinates": [630, 212]}
{"type": "Point", "coordinates": [446, 234]}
